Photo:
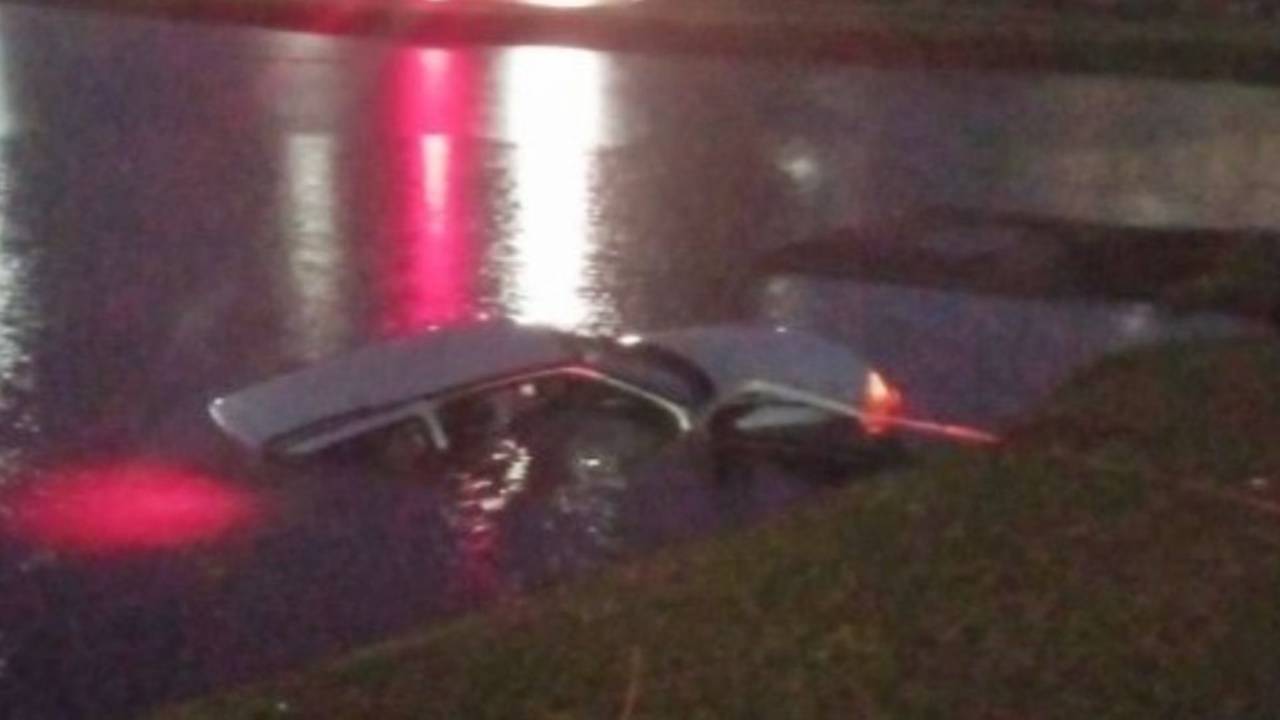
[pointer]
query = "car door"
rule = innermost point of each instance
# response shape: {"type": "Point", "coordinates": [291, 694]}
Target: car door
{"type": "Point", "coordinates": [785, 425]}
{"type": "Point", "coordinates": [557, 411]}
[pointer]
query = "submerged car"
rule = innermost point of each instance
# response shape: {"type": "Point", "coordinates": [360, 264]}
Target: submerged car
{"type": "Point", "coordinates": [783, 391]}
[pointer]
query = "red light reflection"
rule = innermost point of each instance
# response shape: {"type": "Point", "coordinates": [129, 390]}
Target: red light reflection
{"type": "Point", "coordinates": [479, 538]}
{"type": "Point", "coordinates": [883, 402]}
{"type": "Point", "coordinates": [945, 431]}
{"type": "Point", "coordinates": [883, 413]}
{"type": "Point", "coordinates": [433, 107]}
{"type": "Point", "coordinates": [126, 507]}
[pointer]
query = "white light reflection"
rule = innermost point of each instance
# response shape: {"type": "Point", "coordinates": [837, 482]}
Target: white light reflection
{"type": "Point", "coordinates": [435, 163]}
{"type": "Point", "coordinates": [314, 255]}
{"type": "Point", "coordinates": [7, 120]}
{"type": "Point", "coordinates": [18, 316]}
{"type": "Point", "coordinates": [553, 110]}
{"type": "Point", "coordinates": [12, 267]}
{"type": "Point", "coordinates": [18, 319]}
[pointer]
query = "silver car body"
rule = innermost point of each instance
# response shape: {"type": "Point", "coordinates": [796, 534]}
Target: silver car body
{"type": "Point", "coordinates": [339, 399]}
{"type": "Point", "coordinates": [740, 358]}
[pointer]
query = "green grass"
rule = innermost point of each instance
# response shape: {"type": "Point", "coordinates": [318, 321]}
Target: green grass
{"type": "Point", "coordinates": [1112, 561]}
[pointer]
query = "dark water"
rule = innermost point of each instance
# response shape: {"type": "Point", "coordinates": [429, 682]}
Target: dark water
{"type": "Point", "coordinates": [185, 210]}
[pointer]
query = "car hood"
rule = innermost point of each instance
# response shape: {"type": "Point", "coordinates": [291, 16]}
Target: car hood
{"type": "Point", "coordinates": [736, 356]}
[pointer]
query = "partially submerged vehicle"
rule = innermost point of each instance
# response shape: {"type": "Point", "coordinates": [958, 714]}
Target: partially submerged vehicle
{"type": "Point", "coordinates": [784, 390]}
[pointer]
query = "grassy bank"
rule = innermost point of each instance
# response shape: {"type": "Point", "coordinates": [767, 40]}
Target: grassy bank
{"type": "Point", "coordinates": [1120, 558]}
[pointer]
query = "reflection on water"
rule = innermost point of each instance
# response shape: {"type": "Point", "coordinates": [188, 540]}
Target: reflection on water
{"type": "Point", "coordinates": [317, 259]}
{"type": "Point", "coordinates": [315, 265]}
{"type": "Point", "coordinates": [481, 495]}
{"type": "Point", "coordinates": [1222, 181]}
{"type": "Point", "coordinates": [7, 110]}
{"type": "Point", "coordinates": [128, 507]}
{"type": "Point", "coordinates": [553, 105]}
{"type": "Point", "coordinates": [550, 113]}
{"type": "Point", "coordinates": [430, 275]}
{"type": "Point", "coordinates": [18, 321]}
{"type": "Point", "coordinates": [18, 316]}
{"type": "Point", "coordinates": [543, 495]}
{"type": "Point", "coordinates": [972, 358]}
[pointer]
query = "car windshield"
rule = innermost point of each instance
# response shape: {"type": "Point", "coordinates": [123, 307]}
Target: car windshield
{"type": "Point", "coordinates": [703, 358]}
{"type": "Point", "coordinates": [649, 366]}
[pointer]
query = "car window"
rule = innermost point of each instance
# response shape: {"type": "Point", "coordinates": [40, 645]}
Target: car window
{"type": "Point", "coordinates": [651, 367]}
{"type": "Point", "coordinates": [761, 412]}
{"type": "Point", "coordinates": [532, 404]}
{"type": "Point", "coordinates": [399, 437]}
{"type": "Point", "coordinates": [772, 415]}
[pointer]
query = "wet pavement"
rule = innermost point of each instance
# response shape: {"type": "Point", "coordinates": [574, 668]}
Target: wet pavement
{"type": "Point", "coordinates": [186, 210]}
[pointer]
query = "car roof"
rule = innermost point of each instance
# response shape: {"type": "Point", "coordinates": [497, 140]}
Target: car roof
{"type": "Point", "coordinates": [737, 356]}
{"type": "Point", "coordinates": [386, 375]}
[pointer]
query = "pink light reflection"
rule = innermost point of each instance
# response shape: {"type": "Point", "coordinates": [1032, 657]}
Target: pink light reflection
{"type": "Point", "coordinates": [432, 272]}
{"type": "Point", "coordinates": [131, 506]}
{"type": "Point", "coordinates": [479, 539]}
